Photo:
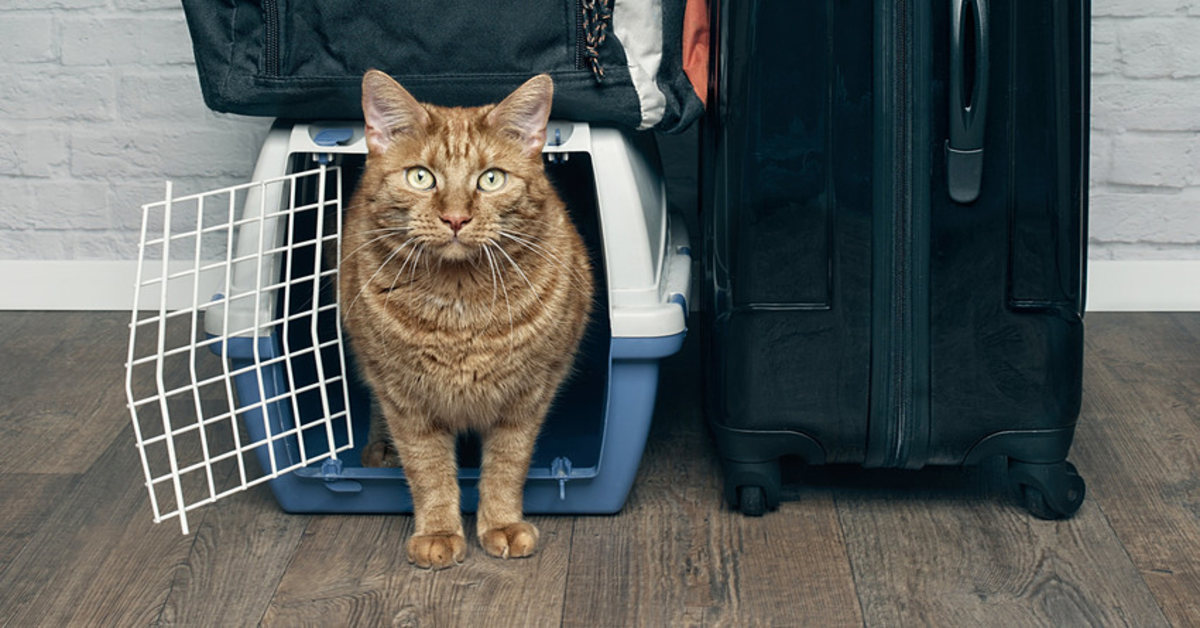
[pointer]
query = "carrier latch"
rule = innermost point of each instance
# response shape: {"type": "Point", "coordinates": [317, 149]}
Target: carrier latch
{"type": "Point", "coordinates": [333, 136]}
{"type": "Point", "coordinates": [557, 158]}
{"type": "Point", "coordinates": [560, 469]}
{"type": "Point", "coordinates": [331, 472]}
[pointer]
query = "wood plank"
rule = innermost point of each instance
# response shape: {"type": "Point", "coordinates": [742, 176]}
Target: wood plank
{"type": "Point", "coordinates": [28, 499]}
{"type": "Point", "coordinates": [676, 556]}
{"type": "Point", "coordinates": [240, 552]}
{"type": "Point", "coordinates": [1139, 447]}
{"type": "Point", "coordinates": [948, 547]}
{"type": "Point", "coordinates": [935, 547]}
{"type": "Point", "coordinates": [98, 559]}
{"type": "Point", "coordinates": [62, 367]}
{"type": "Point", "coordinates": [12, 326]}
{"type": "Point", "coordinates": [244, 536]}
{"type": "Point", "coordinates": [352, 570]}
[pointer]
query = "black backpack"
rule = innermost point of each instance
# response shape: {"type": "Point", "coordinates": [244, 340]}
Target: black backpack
{"type": "Point", "coordinates": [613, 61]}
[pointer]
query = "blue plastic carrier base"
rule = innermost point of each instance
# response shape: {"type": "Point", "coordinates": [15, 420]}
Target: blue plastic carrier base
{"type": "Point", "coordinates": [585, 461]}
{"type": "Point", "coordinates": [590, 446]}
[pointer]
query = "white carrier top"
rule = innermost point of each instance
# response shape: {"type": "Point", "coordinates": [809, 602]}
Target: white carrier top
{"type": "Point", "coordinates": [646, 261]}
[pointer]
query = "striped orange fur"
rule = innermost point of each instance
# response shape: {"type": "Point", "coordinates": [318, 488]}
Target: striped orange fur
{"type": "Point", "coordinates": [465, 292]}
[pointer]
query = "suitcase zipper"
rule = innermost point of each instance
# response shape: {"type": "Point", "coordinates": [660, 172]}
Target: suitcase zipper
{"type": "Point", "coordinates": [899, 424]}
{"type": "Point", "coordinates": [580, 36]}
{"type": "Point", "coordinates": [901, 337]}
{"type": "Point", "coordinates": [271, 37]}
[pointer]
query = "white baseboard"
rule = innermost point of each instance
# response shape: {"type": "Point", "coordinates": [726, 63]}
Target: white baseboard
{"type": "Point", "coordinates": [1113, 286]}
{"type": "Point", "coordinates": [82, 285]}
{"type": "Point", "coordinates": [1143, 286]}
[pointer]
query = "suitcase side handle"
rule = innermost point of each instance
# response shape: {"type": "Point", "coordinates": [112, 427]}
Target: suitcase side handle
{"type": "Point", "coordinates": [968, 98]}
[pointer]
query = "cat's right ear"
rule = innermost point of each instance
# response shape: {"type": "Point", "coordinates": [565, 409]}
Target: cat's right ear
{"type": "Point", "coordinates": [389, 110]}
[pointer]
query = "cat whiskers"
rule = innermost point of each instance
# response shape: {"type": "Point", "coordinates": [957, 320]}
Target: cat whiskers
{"type": "Point", "coordinates": [504, 288]}
{"type": "Point", "coordinates": [518, 269]}
{"type": "Point", "coordinates": [395, 280]}
{"type": "Point", "coordinates": [387, 232]}
{"type": "Point", "coordinates": [383, 265]}
{"type": "Point", "coordinates": [487, 253]}
{"type": "Point", "coordinates": [545, 254]}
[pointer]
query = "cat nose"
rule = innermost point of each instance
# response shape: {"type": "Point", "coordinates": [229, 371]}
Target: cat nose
{"type": "Point", "coordinates": [456, 223]}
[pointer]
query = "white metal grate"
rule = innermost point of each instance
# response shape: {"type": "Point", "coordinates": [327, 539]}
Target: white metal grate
{"type": "Point", "coordinates": [229, 392]}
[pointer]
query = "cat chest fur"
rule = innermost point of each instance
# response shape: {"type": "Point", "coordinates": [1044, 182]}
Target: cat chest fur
{"type": "Point", "coordinates": [464, 358]}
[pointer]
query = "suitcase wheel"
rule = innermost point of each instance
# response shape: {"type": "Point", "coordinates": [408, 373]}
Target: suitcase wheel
{"type": "Point", "coordinates": [1049, 491]}
{"type": "Point", "coordinates": [752, 487]}
{"type": "Point", "coordinates": [752, 501]}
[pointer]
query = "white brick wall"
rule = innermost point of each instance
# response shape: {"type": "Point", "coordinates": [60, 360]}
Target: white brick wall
{"type": "Point", "coordinates": [99, 103]}
{"type": "Point", "coordinates": [1145, 192]}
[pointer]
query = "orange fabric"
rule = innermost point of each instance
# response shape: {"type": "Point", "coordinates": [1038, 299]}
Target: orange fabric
{"type": "Point", "coordinates": [695, 46]}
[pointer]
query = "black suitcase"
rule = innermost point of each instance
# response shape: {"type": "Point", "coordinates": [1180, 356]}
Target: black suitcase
{"type": "Point", "coordinates": [895, 228]}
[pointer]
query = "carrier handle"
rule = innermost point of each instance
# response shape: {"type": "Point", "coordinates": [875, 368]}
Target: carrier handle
{"type": "Point", "coordinates": [968, 98]}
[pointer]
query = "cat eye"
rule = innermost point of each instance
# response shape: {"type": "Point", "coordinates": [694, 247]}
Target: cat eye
{"type": "Point", "coordinates": [492, 180]}
{"type": "Point", "coordinates": [420, 178]}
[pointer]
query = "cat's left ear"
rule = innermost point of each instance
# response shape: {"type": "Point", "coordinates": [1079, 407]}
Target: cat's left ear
{"type": "Point", "coordinates": [524, 114]}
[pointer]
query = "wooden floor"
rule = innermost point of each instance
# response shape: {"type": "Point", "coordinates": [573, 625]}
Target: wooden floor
{"type": "Point", "coordinates": [849, 547]}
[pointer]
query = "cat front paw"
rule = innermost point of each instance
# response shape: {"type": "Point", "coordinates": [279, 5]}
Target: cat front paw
{"type": "Point", "coordinates": [512, 541]}
{"type": "Point", "coordinates": [437, 551]}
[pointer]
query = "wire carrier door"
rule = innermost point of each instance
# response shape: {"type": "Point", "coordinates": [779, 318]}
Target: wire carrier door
{"type": "Point", "coordinates": [232, 390]}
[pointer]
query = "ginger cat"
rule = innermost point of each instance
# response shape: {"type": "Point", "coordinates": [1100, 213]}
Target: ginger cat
{"type": "Point", "coordinates": [465, 293]}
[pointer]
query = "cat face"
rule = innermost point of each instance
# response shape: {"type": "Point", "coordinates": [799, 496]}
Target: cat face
{"type": "Point", "coordinates": [454, 182]}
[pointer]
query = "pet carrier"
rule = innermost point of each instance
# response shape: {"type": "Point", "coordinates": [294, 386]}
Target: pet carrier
{"type": "Point", "coordinates": [254, 384]}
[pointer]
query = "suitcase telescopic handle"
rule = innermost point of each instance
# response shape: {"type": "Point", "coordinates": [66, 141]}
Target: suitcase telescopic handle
{"type": "Point", "coordinates": [968, 98]}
